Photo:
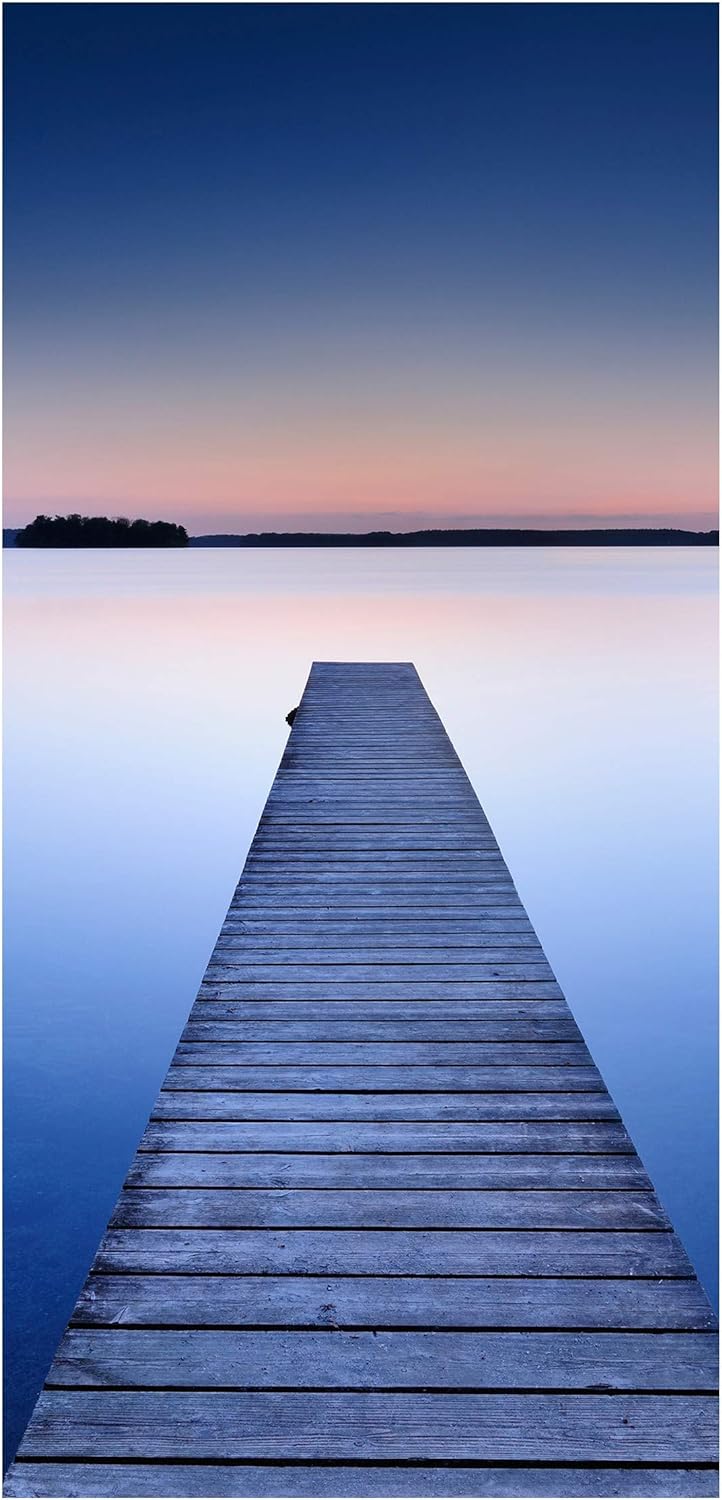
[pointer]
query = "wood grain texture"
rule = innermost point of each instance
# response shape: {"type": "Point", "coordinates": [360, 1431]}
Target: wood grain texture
{"type": "Point", "coordinates": [385, 1233]}
{"type": "Point", "coordinates": [506, 988]}
{"type": "Point", "coordinates": [195, 1104]}
{"type": "Point", "coordinates": [399, 1208]}
{"type": "Point", "coordinates": [393, 1252]}
{"type": "Point", "coordinates": [378, 1010]}
{"type": "Point", "coordinates": [383, 1054]}
{"type": "Point", "coordinates": [512, 1078]}
{"type": "Point", "coordinates": [353, 1170]}
{"type": "Point", "coordinates": [473, 1302]}
{"type": "Point", "coordinates": [337, 1480]}
{"type": "Point", "coordinates": [200, 1029]}
{"type": "Point", "coordinates": [332, 1425]}
{"type": "Point", "coordinates": [334, 1481]}
{"type": "Point", "coordinates": [405, 1136]}
{"type": "Point", "coordinates": [328, 1360]}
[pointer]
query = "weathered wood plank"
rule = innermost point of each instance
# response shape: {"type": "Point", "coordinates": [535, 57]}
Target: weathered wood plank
{"type": "Point", "coordinates": [380, 1054]}
{"type": "Point", "coordinates": [352, 1169]}
{"type": "Point", "coordinates": [469, 863]}
{"type": "Point", "coordinates": [378, 1209]}
{"type": "Point", "coordinates": [414, 876]}
{"type": "Point", "coordinates": [329, 972]}
{"type": "Point", "coordinates": [200, 1029]}
{"type": "Point", "coordinates": [359, 944]}
{"type": "Point", "coordinates": [309, 1425]}
{"type": "Point", "coordinates": [240, 952]}
{"type": "Point", "coordinates": [476, 866]}
{"type": "Point", "coordinates": [334, 1481]}
{"type": "Point", "coordinates": [414, 1136]}
{"type": "Point", "coordinates": [418, 881]}
{"type": "Point", "coordinates": [203, 1359]}
{"type": "Point", "coordinates": [497, 1302]}
{"type": "Point", "coordinates": [175, 1104]}
{"type": "Point", "coordinates": [464, 833]}
{"type": "Point", "coordinates": [330, 931]}
{"type": "Point", "coordinates": [446, 925]}
{"type": "Point", "coordinates": [392, 1252]}
{"type": "Point", "coordinates": [403, 1079]}
{"type": "Point", "coordinates": [371, 1010]}
{"type": "Point", "coordinates": [367, 767]}
{"type": "Point", "coordinates": [393, 792]}
{"type": "Point", "coordinates": [290, 843]}
{"type": "Point", "coordinates": [410, 989]}
{"type": "Point", "coordinates": [348, 901]}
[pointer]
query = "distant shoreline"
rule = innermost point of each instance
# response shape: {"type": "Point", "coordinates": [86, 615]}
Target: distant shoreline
{"type": "Point", "coordinates": [471, 537]}
{"type": "Point", "coordinates": [477, 537]}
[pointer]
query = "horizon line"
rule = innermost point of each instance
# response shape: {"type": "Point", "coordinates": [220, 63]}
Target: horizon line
{"type": "Point", "coordinates": [417, 531]}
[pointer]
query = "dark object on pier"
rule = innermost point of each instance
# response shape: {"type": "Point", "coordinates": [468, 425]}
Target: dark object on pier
{"type": "Point", "coordinates": [290, 716]}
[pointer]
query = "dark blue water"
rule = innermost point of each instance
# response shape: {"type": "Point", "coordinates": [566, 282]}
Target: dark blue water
{"type": "Point", "coordinates": [145, 704]}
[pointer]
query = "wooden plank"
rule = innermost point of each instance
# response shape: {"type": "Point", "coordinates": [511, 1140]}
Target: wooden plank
{"type": "Point", "coordinates": [379, 1010]}
{"type": "Point", "coordinates": [418, 880]}
{"type": "Point", "coordinates": [404, 1079]}
{"type": "Point", "coordinates": [488, 922]}
{"type": "Point", "coordinates": [295, 901]}
{"type": "Point", "coordinates": [471, 862]}
{"type": "Point", "coordinates": [541, 1030]}
{"type": "Point", "coordinates": [451, 989]}
{"type": "Point", "coordinates": [506, 968]}
{"type": "Point", "coordinates": [415, 1136]}
{"type": "Point", "coordinates": [397, 1208]}
{"type": "Point", "coordinates": [349, 900]}
{"type": "Point", "coordinates": [359, 760]}
{"type": "Point", "coordinates": [463, 866]}
{"type": "Point", "coordinates": [175, 1104]}
{"type": "Point", "coordinates": [352, 1169]}
{"type": "Point", "coordinates": [392, 1252]}
{"type": "Point", "coordinates": [392, 801]}
{"type": "Point", "coordinates": [309, 1425]}
{"type": "Point", "coordinates": [469, 865]}
{"type": "Point", "coordinates": [478, 1302]}
{"type": "Point", "coordinates": [288, 843]}
{"type": "Point", "coordinates": [329, 932]}
{"type": "Point", "coordinates": [394, 794]}
{"type": "Point", "coordinates": [362, 815]}
{"type": "Point", "coordinates": [358, 947]}
{"type": "Point", "coordinates": [380, 870]}
{"type": "Point", "coordinates": [381, 1054]}
{"type": "Point", "coordinates": [334, 1481]}
{"type": "Point", "coordinates": [326, 1359]}
{"type": "Point", "coordinates": [235, 952]}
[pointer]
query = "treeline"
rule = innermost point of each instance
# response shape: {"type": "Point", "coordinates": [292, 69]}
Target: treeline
{"type": "Point", "coordinates": [100, 531]}
{"type": "Point", "coordinates": [637, 536]}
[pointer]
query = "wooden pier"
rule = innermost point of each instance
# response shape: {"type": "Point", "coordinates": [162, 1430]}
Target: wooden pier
{"type": "Point", "coordinates": [385, 1233]}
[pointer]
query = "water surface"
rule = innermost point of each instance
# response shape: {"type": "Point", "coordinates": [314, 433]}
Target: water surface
{"type": "Point", "coordinates": [145, 704]}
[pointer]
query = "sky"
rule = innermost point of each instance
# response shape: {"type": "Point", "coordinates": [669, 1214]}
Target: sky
{"type": "Point", "coordinates": [348, 266]}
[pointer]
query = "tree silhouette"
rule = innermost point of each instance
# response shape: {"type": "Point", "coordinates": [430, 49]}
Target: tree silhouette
{"type": "Point", "coordinates": [100, 531]}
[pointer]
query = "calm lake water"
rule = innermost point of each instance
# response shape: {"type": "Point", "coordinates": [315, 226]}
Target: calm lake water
{"type": "Point", "coordinates": [145, 704]}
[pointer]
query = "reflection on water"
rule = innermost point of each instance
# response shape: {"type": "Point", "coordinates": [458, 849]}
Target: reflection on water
{"type": "Point", "coordinates": [145, 704]}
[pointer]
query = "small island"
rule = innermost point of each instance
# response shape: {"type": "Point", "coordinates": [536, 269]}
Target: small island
{"type": "Point", "coordinates": [100, 531]}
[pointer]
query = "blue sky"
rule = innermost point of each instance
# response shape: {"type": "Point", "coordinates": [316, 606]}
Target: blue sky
{"type": "Point", "coordinates": [342, 264]}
